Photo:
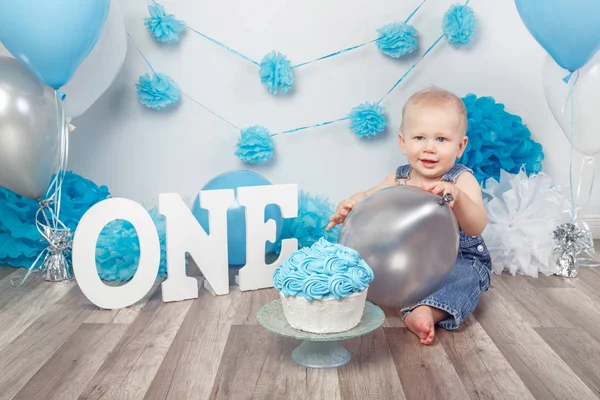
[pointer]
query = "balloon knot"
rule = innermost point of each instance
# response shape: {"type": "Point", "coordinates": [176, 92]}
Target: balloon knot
{"type": "Point", "coordinates": [61, 95]}
{"type": "Point", "coordinates": [567, 78]}
{"type": "Point", "coordinates": [446, 199]}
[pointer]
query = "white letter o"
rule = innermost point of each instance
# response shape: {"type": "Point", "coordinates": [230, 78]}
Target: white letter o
{"type": "Point", "coordinates": [84, 253]}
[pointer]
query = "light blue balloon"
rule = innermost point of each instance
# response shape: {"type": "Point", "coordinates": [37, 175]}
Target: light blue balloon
{"type": "Point", "coordinates": [236, 215]}
{"type": "Point", "coordinates": [52, 37]}
{"type": "Point", "coordinates": [569, 30]}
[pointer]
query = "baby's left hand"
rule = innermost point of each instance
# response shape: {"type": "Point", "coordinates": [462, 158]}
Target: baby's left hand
{"type": "Point", "coordinates": [441, 188]}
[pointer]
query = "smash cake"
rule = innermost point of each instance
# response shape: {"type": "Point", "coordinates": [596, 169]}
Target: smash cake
{"type": "Point", "coordinates": [323, 288]}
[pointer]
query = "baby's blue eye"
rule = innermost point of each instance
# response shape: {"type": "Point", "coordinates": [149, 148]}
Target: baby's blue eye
{"type": "Point", "coordinates": [441, 139]}
{"type": "Point", "coordinates": [419, 137]}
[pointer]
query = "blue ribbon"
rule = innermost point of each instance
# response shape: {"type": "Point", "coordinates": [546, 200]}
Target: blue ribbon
{"type": "Point", "coordinates": [141, 54]}
{"type": "Point", "coordinates": [310, 126]}
{"type": "Point", "coordinates": [237, 53]}
{"type": "Point", "coordinates": [572, 97]}
{"type": "Point", "coordinates": [337, 53]}
{"type": "Point", "coordinates": [411, 68]}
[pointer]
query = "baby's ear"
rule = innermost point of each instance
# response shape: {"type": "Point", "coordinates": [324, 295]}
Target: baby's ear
{"type": "Point", "coordinates": [462, 146]}
{"type": "Point", "coordinates": [401, 142]}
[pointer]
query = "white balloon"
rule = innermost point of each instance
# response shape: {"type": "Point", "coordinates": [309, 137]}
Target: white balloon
{"type": "Point", "coordinates": [586, 97]}
{"type": "Point", "coordinates": [100, 68]}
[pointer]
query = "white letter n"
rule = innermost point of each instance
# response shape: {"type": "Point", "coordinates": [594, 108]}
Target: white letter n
{"type": "Point", "coordinates": [185, 234]}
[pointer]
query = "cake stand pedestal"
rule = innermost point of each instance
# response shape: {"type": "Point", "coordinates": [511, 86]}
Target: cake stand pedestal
{"type": "Point", "coordinates": [319, 350]}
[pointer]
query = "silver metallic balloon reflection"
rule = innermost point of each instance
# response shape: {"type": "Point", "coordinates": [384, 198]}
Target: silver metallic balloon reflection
{"type": "Point", "coordinates": [409, 238]}
{"type": "Point", "coordinates": [29, 130]}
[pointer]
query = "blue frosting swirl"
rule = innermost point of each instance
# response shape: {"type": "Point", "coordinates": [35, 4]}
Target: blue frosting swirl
{"type": "Point", "coordinates": [292, 283]}
{"type": "Point", "coordinates": [361, 275]}
{"type": "Point", "coordinates": [324, 270]}
{"type": "Point", "coordinates": [341, 286]}
{"type": "Point", "coordinates": [317, 287]}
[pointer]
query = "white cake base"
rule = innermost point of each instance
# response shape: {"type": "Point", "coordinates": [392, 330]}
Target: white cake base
{"type": "Point", "coordinates": [324, 316]}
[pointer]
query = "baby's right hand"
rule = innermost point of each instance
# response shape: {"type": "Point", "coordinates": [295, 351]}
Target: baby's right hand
{"type": "Point", "coordinates": [342, 211]}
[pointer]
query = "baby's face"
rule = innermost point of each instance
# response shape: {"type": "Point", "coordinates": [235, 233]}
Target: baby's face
{"type": "Point", "coordinates": [432, 139]}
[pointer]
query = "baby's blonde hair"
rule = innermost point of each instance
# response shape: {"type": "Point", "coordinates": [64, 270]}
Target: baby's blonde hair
{"type": "Point", "coordinates": [434, 96]}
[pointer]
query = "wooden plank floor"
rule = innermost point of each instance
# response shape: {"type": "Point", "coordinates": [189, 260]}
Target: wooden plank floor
{"type": "Point", "coordinates": [528, 339]}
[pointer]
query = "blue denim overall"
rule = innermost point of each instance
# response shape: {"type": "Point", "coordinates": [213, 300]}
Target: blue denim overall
{"type": "Point", "coordinates": [470, 276]}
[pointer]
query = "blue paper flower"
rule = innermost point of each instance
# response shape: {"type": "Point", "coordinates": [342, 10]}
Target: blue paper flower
{"type": "Point", "coordinates": [255, 145]}
{"type": "Point", "coordinates": [276, 73]}
{"type": "Point", "coordinates": [367, 120]}
{"type": "Point", "coordinates": [118, 249]}
{"type": "Point", "coordinates": [397, 39]}
{"type": "Point", "coordinates": [20, 241]}
{"type": "Point", "coordinates": [309, 226]}
{"type": "Point", "coordinates": [157, 92]}
{"type": "Point", "coordinates": [313, 218]}
{"type": "Point", "coordinates": [459, 25]}
{"type": "Point", "coordinates": [498, 141]}
{"type": "Point", "coordinates": [164, 28]}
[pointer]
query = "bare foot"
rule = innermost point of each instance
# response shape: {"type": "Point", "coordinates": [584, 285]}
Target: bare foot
{"type": "Point", "coordinates": [420, 322]}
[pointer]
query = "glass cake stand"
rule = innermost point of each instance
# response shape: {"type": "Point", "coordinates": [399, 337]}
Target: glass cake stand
{"type": "Point", "coordinates": [319, 350]}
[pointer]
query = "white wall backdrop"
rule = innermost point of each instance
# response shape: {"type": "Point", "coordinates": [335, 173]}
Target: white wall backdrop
{"type": "Point", "coordinates": [139, 153]}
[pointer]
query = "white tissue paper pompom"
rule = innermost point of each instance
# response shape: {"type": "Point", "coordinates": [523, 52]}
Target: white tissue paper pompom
{"type": "Point", "coordinates": [523, 212]}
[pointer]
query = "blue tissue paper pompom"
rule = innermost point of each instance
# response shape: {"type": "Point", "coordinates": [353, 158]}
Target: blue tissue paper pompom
{"type": "Point", "coordinates": [157, 92]}
{"type": "Point", "coordinates": [459, 25]}
{"type": "Point", "coordinates": [498, 141]}
{"type": "Point", "coordinates": [397, 39]}
{"type": "Point", "coordinates": [313, 218]}
{"type": "Point", "coordinates": [276, 73]}
{"type": "Point", "coordinates": [255, 145]}
{"type": "Point", "coordinates": [309, 226]}
{"type": "Point", "coordinates": [20, 241]}
{"type": "Point", "coordinates": [164, 28]}
{"type": "Point", "coordinates": [367, 120]}
{"type": "Point", "coordinates": [118, 249]}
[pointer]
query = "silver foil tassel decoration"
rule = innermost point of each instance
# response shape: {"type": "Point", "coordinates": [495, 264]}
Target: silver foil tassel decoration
{"type": "Point", "coordinates": [570, 242]}
{"type": "Point", "coordinates": [567, 265]}
{"type": "Point", "coordinates": [57, 266]}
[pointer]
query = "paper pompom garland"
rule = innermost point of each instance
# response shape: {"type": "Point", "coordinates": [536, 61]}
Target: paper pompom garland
{"type": "Point", "coordinates": [276, 72]}
{"type": "Point", "coordinates": [255, 144]}
{"type": "Point", "coordinates": [395, 40]}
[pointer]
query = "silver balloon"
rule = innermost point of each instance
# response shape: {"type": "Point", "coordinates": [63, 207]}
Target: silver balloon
{"type": "Point", "coordinates": [30, 126]}
{"type": "Point", "coordinates": [409, 238]}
